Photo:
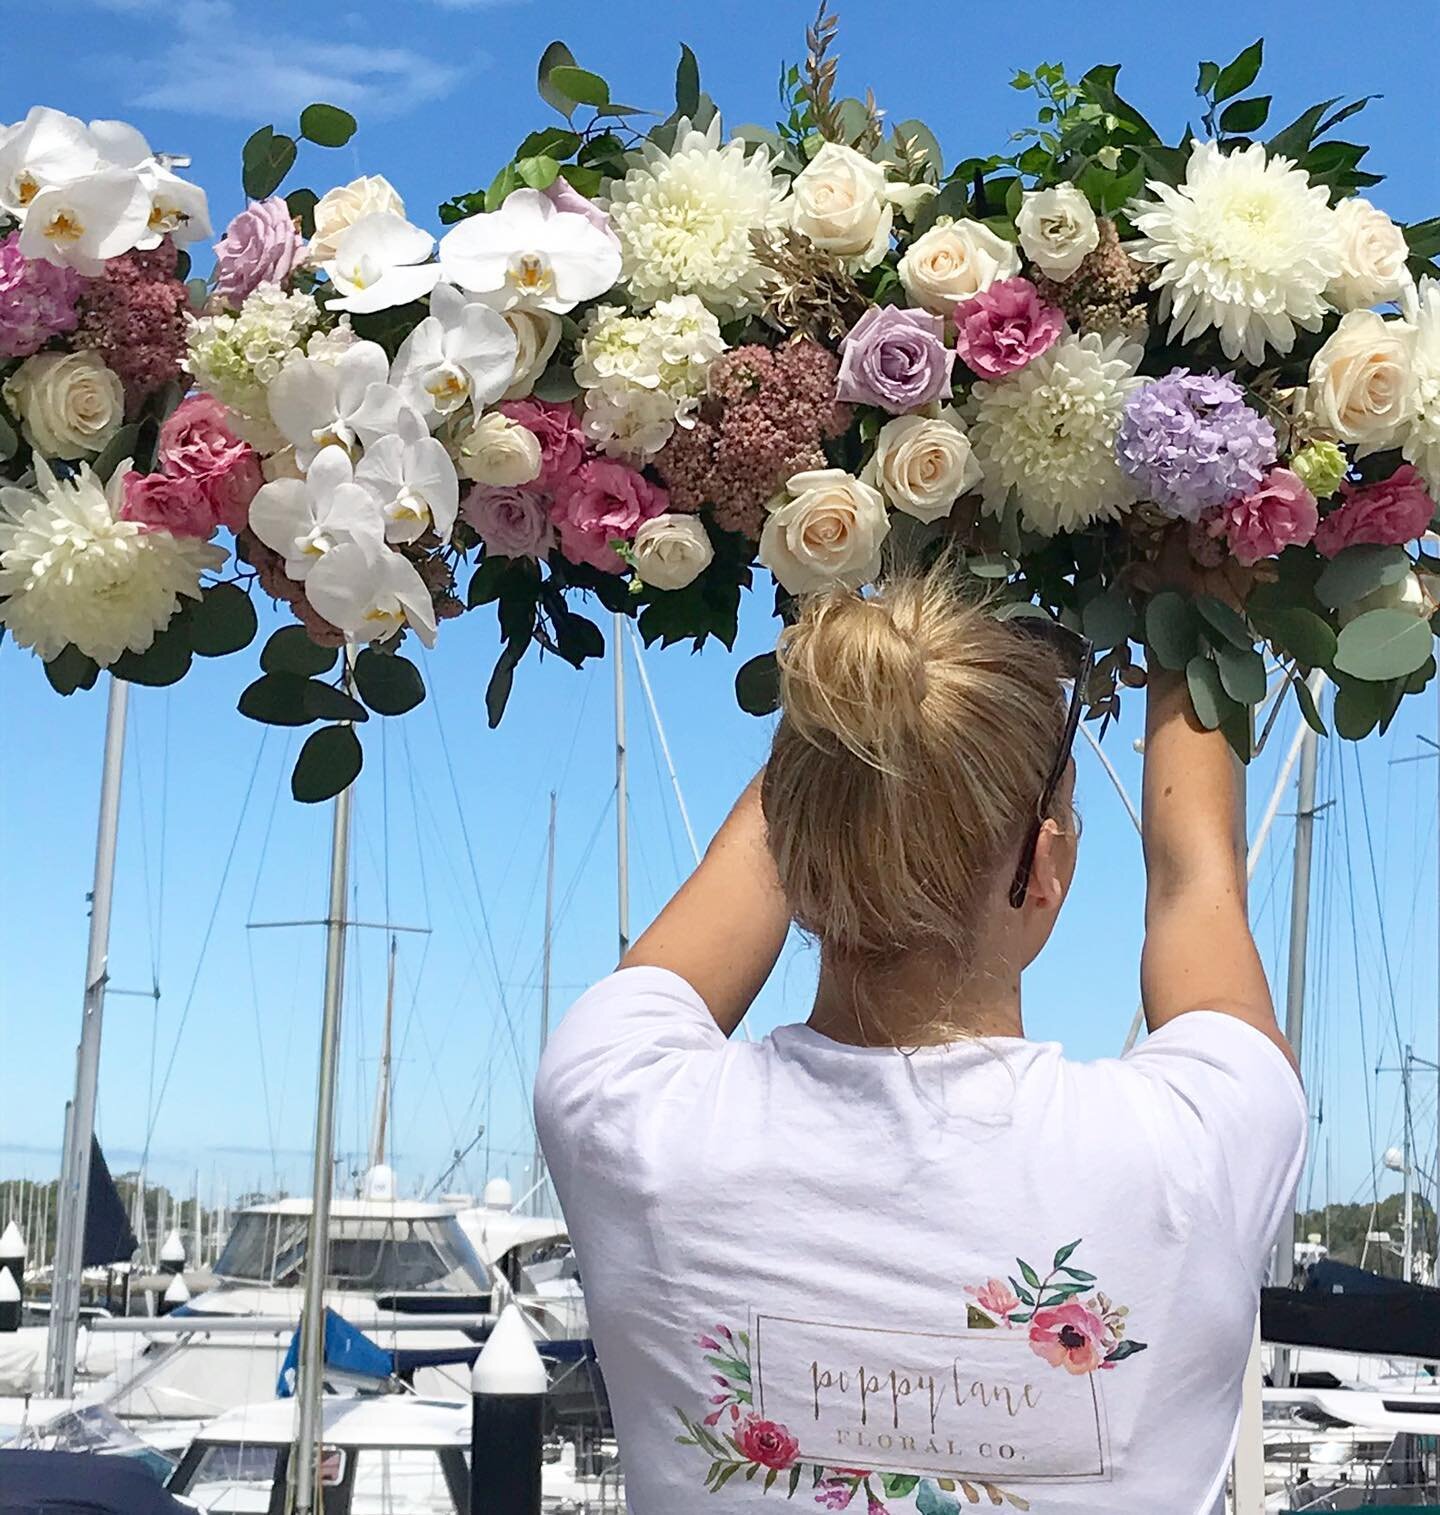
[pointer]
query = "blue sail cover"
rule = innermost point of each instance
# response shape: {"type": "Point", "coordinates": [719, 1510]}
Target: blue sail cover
{"type": "Point", "coordinates": [348, 1351]}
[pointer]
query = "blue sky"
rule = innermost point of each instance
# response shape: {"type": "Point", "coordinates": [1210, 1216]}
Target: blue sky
{"type": "Point", "coordinates": [210, 838]}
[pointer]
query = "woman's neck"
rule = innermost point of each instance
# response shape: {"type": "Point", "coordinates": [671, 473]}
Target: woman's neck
{"type": "Point", "coordinates": [924, 1000]}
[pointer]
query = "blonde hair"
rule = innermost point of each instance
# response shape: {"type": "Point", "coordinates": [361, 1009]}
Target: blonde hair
{"type": "Point", "coordinates": [916, 735]}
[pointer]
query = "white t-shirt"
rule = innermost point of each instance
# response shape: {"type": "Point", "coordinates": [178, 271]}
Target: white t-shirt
{"type": "Point", "coordinates": [865, 1279]}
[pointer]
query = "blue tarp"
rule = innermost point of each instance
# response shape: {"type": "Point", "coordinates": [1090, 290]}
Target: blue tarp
{"type": "Point", "coordinates": [347, 1350]}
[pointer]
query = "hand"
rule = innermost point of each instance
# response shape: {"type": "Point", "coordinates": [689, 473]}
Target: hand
{"type": "Point", "coordinates": [1175, 568]}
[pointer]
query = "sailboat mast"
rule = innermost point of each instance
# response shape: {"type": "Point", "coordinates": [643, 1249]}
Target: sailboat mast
{"type": "Point", "coordinates": [382, 1084]}
{"type": "Point", "coordinates": [304, 1457]}
{"type": "Point", "coordinates": [75, 1163]}
{"type": "Point", "coordinates": [538, 1170]}
{"type": "Point", "coordinates": [622, 793]}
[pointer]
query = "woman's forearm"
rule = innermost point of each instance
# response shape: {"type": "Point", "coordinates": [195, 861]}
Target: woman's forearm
{"type": "Point", "coordinates": [724, 930]}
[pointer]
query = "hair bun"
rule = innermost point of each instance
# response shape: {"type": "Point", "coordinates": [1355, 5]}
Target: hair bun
{"type": "Point", "coordinates": [850, 674]}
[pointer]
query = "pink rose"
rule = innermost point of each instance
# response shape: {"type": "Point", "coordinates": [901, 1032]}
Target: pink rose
{"type": "Point", "coordinates": [1071, 1337]}
{"type": "Point", "coordinates": [260, 246]}
{"type": "Point", "coordinates": [767, 1443]}
{"type": "Point", "coordinates": [1281, 513]}
{"type": "Point", "coordinates": [196, 443]}
{"type": "Point", "coordinates": [602, 502]}
{"type": "Point", "coordinates": [1388, 514]}
{"type": "Point", "coordinates": [557, 429]}
{"type": "Point", "coordinates": [564, 196]}
{"type": "Point", "coordinates": [512, 522]}
{"type": "Point", "coordinates": [1003, 327]}
{"type": "Point", "coordinates": [164, 502]}
{"type": "Point", "coordinates": [996, 1297]}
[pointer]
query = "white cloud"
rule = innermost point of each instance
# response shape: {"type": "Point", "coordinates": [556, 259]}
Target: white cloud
{"type": "Point", "coordinates": [217, 66]}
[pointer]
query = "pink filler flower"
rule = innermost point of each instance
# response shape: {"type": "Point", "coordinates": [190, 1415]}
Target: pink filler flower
{"type": "Point", "coordinates": [996, 1296]}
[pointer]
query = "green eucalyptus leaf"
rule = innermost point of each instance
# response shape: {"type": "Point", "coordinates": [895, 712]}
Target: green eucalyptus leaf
{"type": "Point", "coordinates": [538, 172]}
{"type": "Point", "coordinates": [264, 161]}
{"type": "Point", "coordinates": [1171, 630]}
{"type": "Point", "coordinates": [164, 662]}
{"type": "Point", "coordinates": [1209, 77]}
{"type": "Point", "coordinates": [9, 440]}
{"type": "Point", "coordinates": [1109, 618]}
{"type": "Point", "coordinates": [757, 685]}
{"type": "Point", "coordinates": [388, 683]}
{"type": "Point", "coordinates": [1207, 694]}
{"type": "Point", "coordinates": [70, 670]}
{"type": "Point", "coordinates": [1296, 631]}
{"type": "Point", "coordinates": [325, 702]}
{"type": "Point", "coordinates": [1358, 707]}
{"type": "Point", "coordinates": [290, 650]}
{"type": "Point", "coordinates": [687, 82]}
{"type": "Point", "coordinates": [221, 621]}
{"type": "Point", "coordinates": [579, 85]}
{"type": "Point", "coordinates": [1308, 708]}
{"type": "Point", "coordinates": [276, 699]}
{"type": "Point", "coordinates": [554, 56]}
{"type": "Point", "coordinates": [557, 384]}
{"type": "Point", "coordinates": [497, 691]}
{"type": "Point", "coordinates": [119, 449]}
{"type": "Point", "coordinates": [1239, 74]}
{"type": "Point", "coordinates": [1358, 571]}
{"type": "Point", "coordinates": [1245, 116]}
{"type": "Point", "coordinates": [329, 762]}
{"type": "Point", "coordinates": [1242, 673]}
{"type": "Point", "coordinates": [1222, 624]}
{"type": "Point", "coordinates": [1384, 644]}
{"type": "Point", "coordinates": [301, 204]}
{"type": "Point", "coordinates": [549, 142]}
{"type": "Point", "coordinates": [327, 125]}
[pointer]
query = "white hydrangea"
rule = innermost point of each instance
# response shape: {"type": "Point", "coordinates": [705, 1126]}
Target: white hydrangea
{"type": "Point", "coordinates": [1422, 442]}
{"type": "Point", "coordinates": [72, 572]}
{"type": "Point", "coordinates": [237, 357]}
{"type": "Point", "coordinates": [1047, 434]}
{"type": "Point", "coordinates": [643, 375]}
{"type": "Point", "coordinates": [684, 220]}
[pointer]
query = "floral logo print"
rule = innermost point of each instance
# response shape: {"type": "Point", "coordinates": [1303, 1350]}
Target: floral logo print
{"type": "Point", "coordinates": [1072, 1328]}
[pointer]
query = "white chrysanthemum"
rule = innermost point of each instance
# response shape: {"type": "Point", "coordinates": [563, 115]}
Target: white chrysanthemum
{"type": "Point", "coordinates": [1047, 434]}
{"type": "Point", "coordinates": [1422, 442]}
{"type": "Point", "coordinates": [237, 357]}
{"type": "Point", "coordinates": [642, 375]}
{"type": "Point", "coordinates": [684, 220]}
{"type": "Point", "coordinates": [75, 573]}
{"type": "Point", "coordinates": [1246, 245]}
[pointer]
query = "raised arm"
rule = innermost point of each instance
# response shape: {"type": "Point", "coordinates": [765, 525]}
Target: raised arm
{"type": "Point", "coordinates": [723, 931]}
{"type": "Point", "coordinates": [1198, 953]}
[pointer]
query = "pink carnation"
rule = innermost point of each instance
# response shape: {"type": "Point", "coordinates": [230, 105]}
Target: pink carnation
{"type": "Point", "coordinates": [260, 246]}
{"type": "Point", "coordinates": [602, 502]}
{"type": "Point", "coordinates": [513, 523]}
{"type": "Point", "coordinates": [165, 502]}
{"type": "Point", "coordinates": [1388, 514]}
{"type": "Point", "coordinates": [557, 429]}
{"type": "Point", "coordinates": [196, 442]}
{"type": "Point", "coordinates": [1002, 328]}
{"type": "Point", "coordinates": [1281, 513]}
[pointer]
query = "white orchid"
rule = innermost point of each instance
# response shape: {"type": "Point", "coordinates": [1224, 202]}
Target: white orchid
{"type": "Point", "coordinates": [371, 597]}
{"type": "Point", "coordinates": [178, 209]}
{"type": "Point", "coordinates": [345, 400]}
{"type": "Point", "coordinates": [412, 476]}
{"type": "Point", "coordinates": [305, 520]}
{"type": "Point", "coordinates": [461, 351]}
{"type": "Point", "coordinates": [86, 221]}
{"type": "Point", "coordinates": [45, 150]}
{"type": "Point", "coordinates": [529, 255]}
{"type": "Point", "coordinates": [380, 262]}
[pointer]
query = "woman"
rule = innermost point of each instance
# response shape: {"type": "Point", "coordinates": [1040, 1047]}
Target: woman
{"type": "Point", "coordinates": [900, 1258]}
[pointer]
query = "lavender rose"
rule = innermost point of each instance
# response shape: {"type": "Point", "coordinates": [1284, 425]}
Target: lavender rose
{"type": "Point", "coordinates": [260, 246]}
{"type": "Point", "coordinates": [512, 522]}
{"type": "Point", "coordinates": [896, 359]}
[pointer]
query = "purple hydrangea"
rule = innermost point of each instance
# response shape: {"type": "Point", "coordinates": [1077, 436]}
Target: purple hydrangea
{"type": "Point", "coordinates": [37, 300]}
{"type": "Point", "coordinates": [1191, 442]}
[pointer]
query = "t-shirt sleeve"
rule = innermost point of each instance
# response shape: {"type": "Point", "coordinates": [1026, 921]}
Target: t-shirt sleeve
{"type": "Point", "coordinates": [619, 1050]}
{"type": "Point", "coordinates": [1238, 1117]}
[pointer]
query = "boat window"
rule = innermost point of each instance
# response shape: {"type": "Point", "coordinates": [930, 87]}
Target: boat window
{"type": "Point", "coordinates": [410, 1479]}
{"type": "Point", "coordinates": [233, 1477]}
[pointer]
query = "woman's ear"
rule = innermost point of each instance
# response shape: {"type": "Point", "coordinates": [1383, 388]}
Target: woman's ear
{"type": "Point", "coordinates": [1053, 868]}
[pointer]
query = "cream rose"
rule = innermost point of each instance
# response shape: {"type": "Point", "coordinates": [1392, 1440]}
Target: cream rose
{"type": "Point", "coordinates": [537, 334]}
{"type": "Point", "coordinates": [1362, 385]}
{"type": "Point", "coordinates": [671, 551]}
{"type": "Point", "coordinates": [839, 200]}
{"type": "Point", "coordinates": [1057, 230]}
{"type": "Point", "coordinates": [953, 261]}
{"type": "Point", "coordinates": [1373, 251]}
{"type": "Point", "coordinates": [339, 209]}
{"type": "Point", "coordinates": [828, 530]}
{"type": "Point", "coordinates": [497, 450]}
{"type": "Point", "coordinates": [70, 403]}
{"type": "Point", "coordinates": [923, 464]}
{"type": "Point", "coordinates": [1412, 593]}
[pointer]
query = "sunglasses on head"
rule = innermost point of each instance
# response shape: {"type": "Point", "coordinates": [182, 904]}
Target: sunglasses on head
{"type": "Point", "coordinates": [1077, 657]}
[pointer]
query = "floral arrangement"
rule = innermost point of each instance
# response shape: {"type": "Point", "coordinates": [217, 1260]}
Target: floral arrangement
{"type": "Point", "coordinates": [654, 357]}
{"type": "Point", "coordinates": [1075, 1334]}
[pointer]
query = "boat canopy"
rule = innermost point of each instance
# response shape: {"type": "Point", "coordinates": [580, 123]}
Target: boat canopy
{"type": "Point", "coordinates": [386, 1420]}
